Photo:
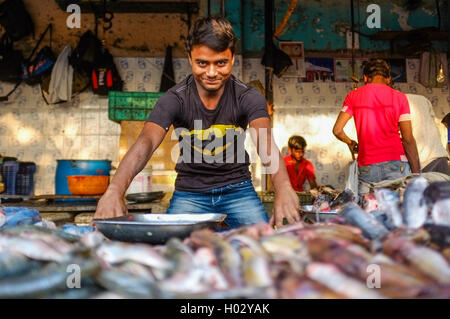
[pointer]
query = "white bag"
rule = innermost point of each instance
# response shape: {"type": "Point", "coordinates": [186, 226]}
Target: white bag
{"type": "Point", "coordinates": [430, 63]}
{"type": "Point", "coordinates": [352, 181]}
{"type": "Point", "coordinates": [60, 88]}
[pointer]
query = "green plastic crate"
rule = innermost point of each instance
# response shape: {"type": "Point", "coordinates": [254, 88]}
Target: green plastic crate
{"type": "Point", "coordinates": [131, 106]}
{"type": "Point", "coordinates": [305, 198]}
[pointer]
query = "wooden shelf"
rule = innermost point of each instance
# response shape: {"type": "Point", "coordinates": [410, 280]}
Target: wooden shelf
{"type": "Point", "coordinates": [431, 34]}
{"type": "Point", "coordinates": [123, 6]}
{"type": "Point", "coordinates": [75, 207]}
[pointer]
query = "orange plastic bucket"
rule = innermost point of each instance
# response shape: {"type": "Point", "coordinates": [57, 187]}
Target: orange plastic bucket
{"type": "Point", "coordinates": [87, 184]}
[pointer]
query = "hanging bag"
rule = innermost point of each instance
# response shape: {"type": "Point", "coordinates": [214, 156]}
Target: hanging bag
{"type": "Point", "coordinates": [82, 60]}
{"type": "Point", "coordinates": [33, 69]}
{"type": "Point", "coordinates": [10, 61]}
{"type": "Point", "coordinates": [430, 63]}
{"type": "Point", "coordinates": [15, 19]}
{"type": "Point", "coordinates": [87, 50]}
{"type": "Point", "coordinates": [105, 76]}
{"type": "Point", "coordinates": [11, 64]}
{"type": "Point", "coordinates": [60, 86]}
{"type": "Point", "coordinates": [352, 181]}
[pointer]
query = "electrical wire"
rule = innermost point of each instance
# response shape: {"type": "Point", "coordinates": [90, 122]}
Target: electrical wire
{"type": "Point", "coordinates": [438, 11]}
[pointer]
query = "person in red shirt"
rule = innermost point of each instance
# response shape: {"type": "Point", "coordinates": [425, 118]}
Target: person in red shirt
{"type": "Point", "coordinates": [299, 168]}
{"type": "Point", "coordinates": [380, 112]}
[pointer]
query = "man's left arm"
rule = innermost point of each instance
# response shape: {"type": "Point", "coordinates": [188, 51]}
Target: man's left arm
{"type": "Point", "coordinates": [312, 183]}
{"type": "Point", "coordinates": [410, 146]}
{"type": "Point", "coordinates": [408, 140]}
{"type": "Point", "coordinates": [286, 203]}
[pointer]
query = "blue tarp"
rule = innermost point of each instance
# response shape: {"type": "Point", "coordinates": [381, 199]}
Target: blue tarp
{"type": "Point", "coordinates": [16, 216]}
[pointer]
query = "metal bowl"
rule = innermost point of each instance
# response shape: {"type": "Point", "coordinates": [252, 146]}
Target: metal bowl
{"type": "Point", "coordinates": [308, 213]}
{"type": "Point", "coordinates": [145, 197]}
{"type": "Point", "coordinates": [155, 228]}
{"type": "Point", "coordinates": [307, 208]}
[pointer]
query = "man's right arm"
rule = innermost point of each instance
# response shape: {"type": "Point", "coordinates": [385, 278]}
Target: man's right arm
{"type": "Point", "coordinates": [338, 131]}
{"type": "Point", "coordinates": [112, 203]}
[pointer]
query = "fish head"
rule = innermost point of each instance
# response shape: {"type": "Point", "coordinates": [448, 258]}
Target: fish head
{"type": "Point", "coordinates": [441, 212]}
{"type": "Point", "coordinates": [417, 183]}
{"type": "Point", "coordinates": [384, 195]}
{"type": "Point", "coordinates": [179, 253]}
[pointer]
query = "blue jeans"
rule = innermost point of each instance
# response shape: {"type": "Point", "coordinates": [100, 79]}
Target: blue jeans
{"type": "Point", "coordinates": [239, 202]}
{"type": "Point", "coordinates": [378, 172]}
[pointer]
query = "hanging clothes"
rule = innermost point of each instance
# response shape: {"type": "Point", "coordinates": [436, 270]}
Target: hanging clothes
{"type": "Point", "coordinates": [60, 87]}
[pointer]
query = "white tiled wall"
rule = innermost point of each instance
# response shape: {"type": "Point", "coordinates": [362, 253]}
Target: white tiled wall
{"type": "Point", "coordinates": [33, 131]}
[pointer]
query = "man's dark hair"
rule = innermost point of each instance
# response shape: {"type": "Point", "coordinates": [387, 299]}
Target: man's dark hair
{"type": "Point", "coordinates": [297, 142]}
{"type": "Point", "coordinates": [214, 32]}
{"type": "Point", "coordinates": [376, 67]}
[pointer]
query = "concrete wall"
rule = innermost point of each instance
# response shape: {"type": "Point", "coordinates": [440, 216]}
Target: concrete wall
{"type": "Point", "coordinates": [132, 34]}
{"type": "Point", "coordinates": [322, 24]}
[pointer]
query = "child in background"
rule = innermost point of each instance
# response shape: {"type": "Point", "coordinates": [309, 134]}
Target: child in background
{"type": "Point", "coordinates": [299, 168]}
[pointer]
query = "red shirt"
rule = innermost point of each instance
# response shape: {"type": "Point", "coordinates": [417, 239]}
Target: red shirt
{"type": "Point", "coordinates": [305, 170]}
{"type": "Point", "coordinates": [377, 109]}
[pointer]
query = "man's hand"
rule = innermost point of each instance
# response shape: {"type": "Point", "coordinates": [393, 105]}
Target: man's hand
{"type": "Point", "coordinates": [353, 147]}
{"type": "Point", "coordinates": [286, 203]}
{"type": "Point", "coordinates": [286, 206]}
{"type": "Point", "coordinates": [110, 205]}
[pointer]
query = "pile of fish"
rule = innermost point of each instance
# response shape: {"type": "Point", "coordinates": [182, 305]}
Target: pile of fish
{"type": "Point", "coordinates": [422, 203]}
{"type": "Point", "coordinates": [381, 253]}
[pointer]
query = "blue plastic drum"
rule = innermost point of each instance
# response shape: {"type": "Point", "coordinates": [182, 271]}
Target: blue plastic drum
{"type": "Point", "coordinates": [66, 168]}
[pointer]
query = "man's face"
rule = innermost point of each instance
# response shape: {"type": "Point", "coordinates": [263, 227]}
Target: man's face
{"type": "Point", "coordinates": [211, 69]}
{"type": "Point", "coordinates": [297, 153]}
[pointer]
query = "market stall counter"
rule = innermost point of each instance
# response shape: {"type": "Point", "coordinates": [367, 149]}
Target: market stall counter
{"type": "Point", "coordinates": [79, 208]}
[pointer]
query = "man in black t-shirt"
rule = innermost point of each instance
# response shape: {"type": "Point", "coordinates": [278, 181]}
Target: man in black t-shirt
{"type": "Point", "coordinates": [210, 111]}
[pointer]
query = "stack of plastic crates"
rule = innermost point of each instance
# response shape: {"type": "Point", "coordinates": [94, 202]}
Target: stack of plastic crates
{"type": "Point", "coordinates": [18, 177]}
{"type": "Point", "coordinates": [25, 178]}
{"type": "Point", "coordinates": [9, 172]}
